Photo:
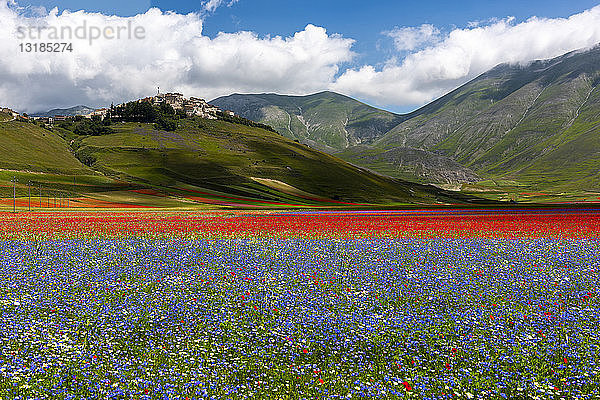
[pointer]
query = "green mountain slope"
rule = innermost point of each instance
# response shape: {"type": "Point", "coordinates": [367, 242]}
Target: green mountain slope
{"type": "Point", "coordinates": [327, 121]}
{"type": "Point", "coordinates": [231, 158]}
{"type": "Point", "coordinates": [35, 155]}
{"type": "Point", "coordinates": [410, 164]}
{"type": "Point", "coordinates": [202, 162]}
{"type": "Point", "coordinates": [534, 124]}
{"type": "Point", "coordinates": [27, 147]}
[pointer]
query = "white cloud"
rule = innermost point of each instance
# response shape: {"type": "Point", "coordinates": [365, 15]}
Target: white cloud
{"type": "Point", "coordinates": [465, 53]}
{"type": "Point", "coordinates": [212, 5]}
{"type": "Point", "coordinates": [410, 38]}
{"type": "Point", "coordinates": [174, 55]}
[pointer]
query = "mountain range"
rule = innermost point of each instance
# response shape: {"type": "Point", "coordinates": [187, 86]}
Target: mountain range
{"type": "Point", "coordinates": [533, 127]}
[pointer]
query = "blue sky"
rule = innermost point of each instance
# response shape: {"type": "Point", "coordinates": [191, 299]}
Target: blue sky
{"type": "Point", "coordinates": [363, 21]}
{"type": "Point", "coordinates": [397, 55]}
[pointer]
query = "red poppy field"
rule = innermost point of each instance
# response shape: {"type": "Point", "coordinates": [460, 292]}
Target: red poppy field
{"type": "Point", "coordinates": [415, 223]}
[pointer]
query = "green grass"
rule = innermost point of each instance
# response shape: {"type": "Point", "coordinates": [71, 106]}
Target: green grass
{"type": "Point", "coordinates": [536, 125]}
{"type": "Point", "coordinates": [28, 147]}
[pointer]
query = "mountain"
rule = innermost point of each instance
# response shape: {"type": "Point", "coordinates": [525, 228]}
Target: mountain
{"type": "Point", "coordinates": [326, 121]}
{"type": "Point", "coordinates": [69, 112]}
{"type": "Point", "coordinates": [202, 162]}
{"type": "Point", "coordinates": [537, 125]}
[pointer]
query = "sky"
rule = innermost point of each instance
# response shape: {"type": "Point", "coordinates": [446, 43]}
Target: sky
{"type": "Point", "coordinates": [396, 55]}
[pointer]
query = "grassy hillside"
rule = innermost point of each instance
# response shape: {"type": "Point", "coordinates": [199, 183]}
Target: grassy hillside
{"type": "Point", "coordinates": [567, 160]}
{"type": "Point", "coordinates": [327, 121]}
{"type": "Point", "coordinates": [203, 162]}
{"type": "Point", "coordinates": [27, 147]}
{"type": "Point", "coordinates": [224, 158]}
{"type": "Point", "coordinates": [35, 155]}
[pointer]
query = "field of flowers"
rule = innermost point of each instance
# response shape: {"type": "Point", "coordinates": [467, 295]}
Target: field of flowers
{"type": "Point", "coordinates": [387, 305]}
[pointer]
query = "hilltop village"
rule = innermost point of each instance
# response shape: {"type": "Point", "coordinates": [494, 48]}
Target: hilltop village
{"type": "Point", "coordinates": [165, 111]}
{"type": "Point", "coordinates": [191, 107]}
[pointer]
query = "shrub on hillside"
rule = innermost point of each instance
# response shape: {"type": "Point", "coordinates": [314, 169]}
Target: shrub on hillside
{"type": "Point", "coordinates": [87, 127]}
{"type": "Point", "coordinates": [165, 123]}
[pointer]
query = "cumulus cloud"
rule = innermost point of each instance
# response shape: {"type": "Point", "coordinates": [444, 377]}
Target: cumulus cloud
{"type": "Point", "coordinates": [411, 38]}
{"type": "Point", "coordinates": [173, 54]}
{"type": "Point", "coordinates": [464, 53]}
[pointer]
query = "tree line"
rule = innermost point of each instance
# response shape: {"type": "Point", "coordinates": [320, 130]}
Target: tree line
{"type": "Point", "coordinates": [164, 117]}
